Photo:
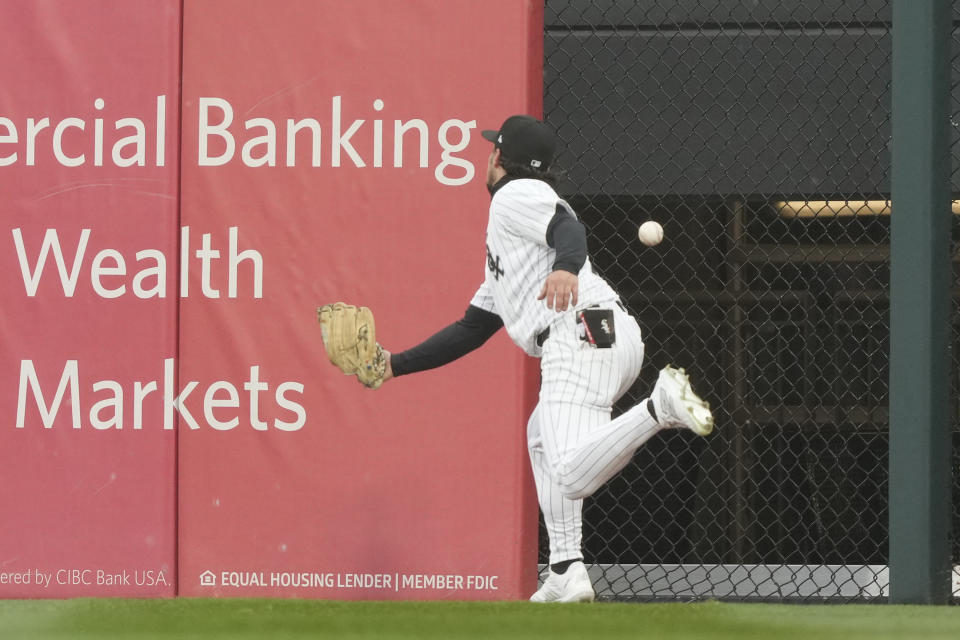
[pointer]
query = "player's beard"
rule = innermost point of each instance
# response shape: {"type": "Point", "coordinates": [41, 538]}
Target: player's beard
{"type": "Point", "coordinates": [492, 181]}
{"type": "Point", "coordinates": [491, 174]}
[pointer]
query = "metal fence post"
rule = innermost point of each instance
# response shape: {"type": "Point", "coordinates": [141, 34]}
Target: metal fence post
{"type": "Point", "coordinates": [919, 305]}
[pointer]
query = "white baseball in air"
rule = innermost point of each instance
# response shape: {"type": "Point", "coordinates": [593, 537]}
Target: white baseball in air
{"type": "Point", "coordinates": [650, 233]}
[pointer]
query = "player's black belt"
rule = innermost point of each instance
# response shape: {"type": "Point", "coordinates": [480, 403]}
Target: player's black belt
{"type": "Point", "coordinates": [543, 335]}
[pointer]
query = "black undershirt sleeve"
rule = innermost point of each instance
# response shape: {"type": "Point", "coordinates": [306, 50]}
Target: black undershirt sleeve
{"type": "Point", "coordinates": [567, 235]}
{"type": "Point", "coordinates": [455, 341]}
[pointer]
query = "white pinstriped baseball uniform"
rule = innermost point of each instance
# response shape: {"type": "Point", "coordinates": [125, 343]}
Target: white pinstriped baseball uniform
{"type": "Point", "coordinates": [574, 445]}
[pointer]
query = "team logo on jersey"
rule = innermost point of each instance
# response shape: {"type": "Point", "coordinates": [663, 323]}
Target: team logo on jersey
{"type": "Point", "coordinates": [494, 265]}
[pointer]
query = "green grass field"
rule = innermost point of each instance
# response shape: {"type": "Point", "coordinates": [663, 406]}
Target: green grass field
{"type": "Point", "coordinates": [281, 619]}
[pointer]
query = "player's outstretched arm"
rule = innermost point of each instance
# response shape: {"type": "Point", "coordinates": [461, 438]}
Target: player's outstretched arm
{"type": "Point", "coordinates": [448, 344]}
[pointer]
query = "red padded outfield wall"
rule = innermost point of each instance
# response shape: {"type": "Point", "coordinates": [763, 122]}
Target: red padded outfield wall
{"type": "Point", "coordinates": [88, 174]}
{"type": "Point", "coordinates": [169, 422]}
{"type": "Point", "coordinates": [331, 151]}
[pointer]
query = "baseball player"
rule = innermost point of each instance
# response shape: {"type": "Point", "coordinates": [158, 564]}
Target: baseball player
{"type": "Point", "coordinates": [539, 284]}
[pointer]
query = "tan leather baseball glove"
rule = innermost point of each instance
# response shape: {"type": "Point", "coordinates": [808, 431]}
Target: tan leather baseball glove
{"type": "Point", "coordinates": [350, 339]}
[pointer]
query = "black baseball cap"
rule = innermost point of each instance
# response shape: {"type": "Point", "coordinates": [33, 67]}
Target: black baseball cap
{"type": "Point", "coordinates": [524, 139]}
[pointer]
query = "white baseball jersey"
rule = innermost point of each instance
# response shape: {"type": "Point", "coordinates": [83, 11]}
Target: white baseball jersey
{"type": "Point", "coordinates": [519, 260]}
{"type": "Point", "coordinates": [574, 445]}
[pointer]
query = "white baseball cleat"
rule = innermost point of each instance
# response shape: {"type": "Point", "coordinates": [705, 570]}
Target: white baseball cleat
{"type": "Point", "coordinates": [678, 406]}
{"type": "Point", "coordinates": [571, 586]}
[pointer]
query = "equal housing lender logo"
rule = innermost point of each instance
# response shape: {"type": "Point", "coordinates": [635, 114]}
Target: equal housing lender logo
{"type": "Point", "coordinates": [315, 580]}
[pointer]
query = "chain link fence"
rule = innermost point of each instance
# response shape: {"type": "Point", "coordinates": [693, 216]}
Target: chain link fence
{"type": "Point", "coordinates": [757, 133]}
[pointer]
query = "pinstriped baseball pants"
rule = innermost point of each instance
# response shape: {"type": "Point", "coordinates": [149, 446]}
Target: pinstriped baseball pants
{"type": "Point", "coordinates": [574, 446]}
